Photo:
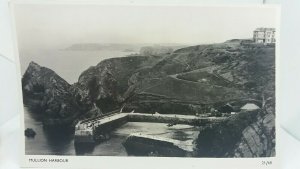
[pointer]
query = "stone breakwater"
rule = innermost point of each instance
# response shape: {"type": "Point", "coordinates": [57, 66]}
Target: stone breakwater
{"type": "Point", "coordinates": [87, 131]}
{"type": "Point", "coordinates": [174, 119]}
{"type": "Point", "coordinates": [93, 130]}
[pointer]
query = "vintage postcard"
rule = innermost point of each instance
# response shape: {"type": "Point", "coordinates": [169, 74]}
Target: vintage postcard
{"type": "Point", "coordinates": [147, 85]}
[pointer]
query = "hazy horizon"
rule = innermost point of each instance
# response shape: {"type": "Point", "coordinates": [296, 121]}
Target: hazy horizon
{"type": "Point", "coordinates": [60, 25]}
{"type": "Point", "coordinates": [44, 30]}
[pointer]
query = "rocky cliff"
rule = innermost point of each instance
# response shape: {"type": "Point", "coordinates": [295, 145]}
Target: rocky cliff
{"type": "Point", "coordinates": [220, 139]}
{"type": "Point", "coordinates": [258, 139]}
{"type": "Point", "coordinates": [247, 134]}
{"type": "Point", "coordinates": [46, 93]}
{"type": "Point", "coordinates": [192, 80]}
{"type": "Point", "coordinates": [106, 83]}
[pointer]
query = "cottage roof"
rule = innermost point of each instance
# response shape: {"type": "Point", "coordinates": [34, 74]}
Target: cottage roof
{"type": "Point", "coordinates": [250, 106]}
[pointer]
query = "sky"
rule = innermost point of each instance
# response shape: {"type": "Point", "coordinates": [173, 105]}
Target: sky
{"type": "Point", "coordinates": [60, 25]}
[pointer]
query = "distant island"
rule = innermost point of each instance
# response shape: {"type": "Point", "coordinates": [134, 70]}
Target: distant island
{"type": "Point", "coordinates": [103, 46]}
{"type": "Point", "coordinates": [143, 49]}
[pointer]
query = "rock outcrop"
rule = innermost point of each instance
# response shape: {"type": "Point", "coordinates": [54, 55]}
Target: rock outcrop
{"type": "Point", "coordinates": [219, 140]}
{"type": "Point", "coordinates": [192, 80]}
{"type": "Point", "coordinates": [106, 83]}
{"type": "Point", "coordinates": [47, 93]}
{"type": "Point", "coordinates": [258, 139]}
{"type": "Point", "coordinates": [247, 134]}
{"type": "Point", "coordinates": [29, 132]}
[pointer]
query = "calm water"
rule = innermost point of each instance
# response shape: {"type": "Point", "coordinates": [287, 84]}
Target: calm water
{"type": "Point", "coordinates": [46, 143]}
{"type": "Point", "coordinates": [69, 65]}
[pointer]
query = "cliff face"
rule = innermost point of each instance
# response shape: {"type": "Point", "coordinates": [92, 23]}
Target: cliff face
{"type": "Point", "coordinates": [247, 134]}
{"type": "Point", "coordinates": [219, 140]}
{"type": "Point", "coordinates": [106, 83]}
{"type": "Point", "coordinates": [258, 139]}
{"type": "Point", "coordinates": [47, 93]}
{"type": "Point", "coordinates": [99, 89]}
{"type": "Point", "coordinates": [191, 80]}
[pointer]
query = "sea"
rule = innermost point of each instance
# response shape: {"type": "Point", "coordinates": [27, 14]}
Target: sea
{"type": "Point", "coordinates": [54, 142]}
{"type": "Point", "coordinates": [69, 65]}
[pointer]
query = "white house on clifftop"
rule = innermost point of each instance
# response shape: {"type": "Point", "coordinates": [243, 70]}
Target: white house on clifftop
{"type": "Point", "coordinates": [264, 35]}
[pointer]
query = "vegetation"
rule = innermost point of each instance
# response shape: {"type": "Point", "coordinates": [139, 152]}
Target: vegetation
{"type": "Point", "coordinates": [218, 140]}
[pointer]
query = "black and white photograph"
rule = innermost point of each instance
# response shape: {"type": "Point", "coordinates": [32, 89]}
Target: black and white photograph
{"type": "Point", "coordinates": [148, 81]}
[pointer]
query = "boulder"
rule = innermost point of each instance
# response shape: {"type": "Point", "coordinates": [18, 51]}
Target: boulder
{"type": "Point", "coordinates": [29, 132]}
